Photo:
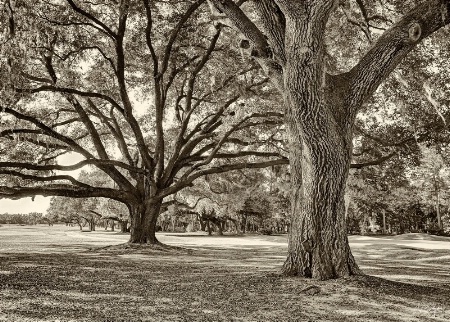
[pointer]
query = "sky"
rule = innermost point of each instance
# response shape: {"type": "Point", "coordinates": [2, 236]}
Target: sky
{"type": "Point", "coordinates": [24, 205]}
{"type": "Point", "coordinates": [40, 204]}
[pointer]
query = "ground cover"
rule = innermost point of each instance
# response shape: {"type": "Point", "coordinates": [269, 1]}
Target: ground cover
{"type": "Point", "coordinates": [61, 274]}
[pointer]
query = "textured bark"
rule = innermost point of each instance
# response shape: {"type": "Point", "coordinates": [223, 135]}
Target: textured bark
{"type": "Point", "coordinates": [143, 223]}
{"type": "Point", "coordinates": [320, 155]}
{"type": "Point", "coordinates": [318, 244]}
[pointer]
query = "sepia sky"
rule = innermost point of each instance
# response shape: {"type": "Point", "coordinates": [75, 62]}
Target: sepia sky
{"type": "Point", "coordinates": [24, 205]}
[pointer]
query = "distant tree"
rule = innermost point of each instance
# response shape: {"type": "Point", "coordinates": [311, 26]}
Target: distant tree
{"type": "Point", "coordinates": [431, 180]}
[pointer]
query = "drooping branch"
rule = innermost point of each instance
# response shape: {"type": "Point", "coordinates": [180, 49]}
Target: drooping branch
{"type": "Point", "coordinates": [89, 94]}
{"type": "Point", "coordinates": [165, 205]}
{"type": "Point", "coordinates": [227, 134]}
{"type": "Point", "coordinates": [231, 155]}
{"type": "Point", "coordinates": [39, 179]}
{"type": "Point", "coordinates": [373, 162]}
{"type": "Point", "coordinates": [76, 166]}
{"type": "Point", "coordinates": [17, 134]}
{"type": "Point", "coordinates": [111, 171]}
{"type": "Point", "coordinates": [67, 90]}
{"type": "Point", "coordinates": [48, 131]}
{"type": "Point", "coordinates": [50, 190]}
{"type": "Point", "coordinates": [218, 169]}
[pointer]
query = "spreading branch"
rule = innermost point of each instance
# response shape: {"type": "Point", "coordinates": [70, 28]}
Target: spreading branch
{"type": "Point", "coordinates": [392, 47]}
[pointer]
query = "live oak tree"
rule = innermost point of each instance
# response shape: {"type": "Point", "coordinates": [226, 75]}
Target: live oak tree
{"type": "Point", "coordinates": [74, 211]}
{"type": "Point", "coordinates": [288, 39]}
{"type": "Point", "coordinates": [232, 198]}
{"type": "Point", "coordinates": [144, 91]}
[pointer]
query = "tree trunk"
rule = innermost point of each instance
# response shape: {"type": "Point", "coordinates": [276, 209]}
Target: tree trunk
{"type": "Point", "coordinates": [236, 225]}
{"type": "Point", "coordinates": [219, 225]}
{"type": "Point", "coordinates": [202, 224]}
{"type": "Point", "coordinates": [124, 226]}
{"type": "Point", "coordinates": [438, 210]}
{"type": "Point", "coordinates": [320, 141]}
{"type": "Point", "coordinates": [143, 223]}
{"type": "Point", "coordinates": [174, 220]}
{"type": "Point", "coordinates": [318, 244]}
{"type": "Point", "coordinates": [208, 226]}
{"type": "Point", "coordinates": [244, 223]}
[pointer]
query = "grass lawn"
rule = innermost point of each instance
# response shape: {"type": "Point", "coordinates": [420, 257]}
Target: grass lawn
{"type": "Point", "coordinates": [61, 274]}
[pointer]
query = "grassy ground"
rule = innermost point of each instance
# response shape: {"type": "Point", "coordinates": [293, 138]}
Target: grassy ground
{"type": "Point", "coordinates": [60, 274]}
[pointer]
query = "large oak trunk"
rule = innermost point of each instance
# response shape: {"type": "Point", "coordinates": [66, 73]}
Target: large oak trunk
{"type": "Point", "coordinates": [318, 244]}
{"type": "Point", "coordinates": [320, 142]}
{"type": "Point", "coordinates": [143, 223]}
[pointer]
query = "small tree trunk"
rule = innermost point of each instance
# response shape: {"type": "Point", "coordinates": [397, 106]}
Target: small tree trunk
{"type": "Point", "coordinates": [438, 210]}
{"type": "Point", "coordinates": [202, 224]}
{"type": "Point", "coordinates": [236, 226]}
{"type": "Point", "coordinates": [124, 226]}
{"type": "Point", "coordinates": [220, 228]}
{"type": "Point", "coordinates": [208, 226]}
{"type": "Point", "coordinates": [244, 223]}
{"type": "Point", "coordinates": [173, 220]}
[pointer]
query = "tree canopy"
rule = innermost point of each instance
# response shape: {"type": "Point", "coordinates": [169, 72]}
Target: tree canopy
{"type": "Point", "coordinates": [134, 88]}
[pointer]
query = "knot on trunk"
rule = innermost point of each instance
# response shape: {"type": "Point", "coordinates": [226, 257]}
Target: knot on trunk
{"type": "Point", "coordinates": [414, 32]}
{"type": "Point", "coordinates": [307, 245]}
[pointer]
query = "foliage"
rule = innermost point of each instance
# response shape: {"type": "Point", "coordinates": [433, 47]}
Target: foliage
{"type": "Point", "coordinates": [248, 199]}
{"type": "Point", "coordinates": [31, 218]}
{"type": "Point", "coordinates": [134, 89]}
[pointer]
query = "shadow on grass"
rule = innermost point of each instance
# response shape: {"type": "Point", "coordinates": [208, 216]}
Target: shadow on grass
{"type": "Point", "coordinates": [204, 285]}
{"type": "Point", "coordinates": [78, 282]}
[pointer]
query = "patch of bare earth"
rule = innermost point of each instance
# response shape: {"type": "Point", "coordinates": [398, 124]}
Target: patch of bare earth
{"type": "Point", "coordinates": [216, 282]}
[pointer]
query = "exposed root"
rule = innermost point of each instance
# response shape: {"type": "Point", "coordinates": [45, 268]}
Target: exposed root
{"type": "Point", "coordinates": [311, 290]}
